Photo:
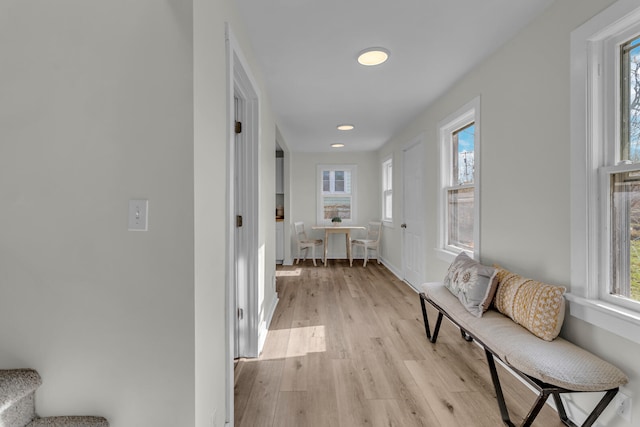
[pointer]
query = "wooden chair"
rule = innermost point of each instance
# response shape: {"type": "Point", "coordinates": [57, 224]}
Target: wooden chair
{"type": "Point", "coordinates": [304, 243]}
{"type": "Point", "coordinates": [371, 242]}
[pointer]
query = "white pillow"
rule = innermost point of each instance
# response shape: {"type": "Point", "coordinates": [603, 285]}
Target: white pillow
{"type": "Point", "coordinates": [473, 283]}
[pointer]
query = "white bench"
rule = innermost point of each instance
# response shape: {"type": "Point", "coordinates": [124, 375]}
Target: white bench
{"type": "Point", "coordinates": [550, 367]}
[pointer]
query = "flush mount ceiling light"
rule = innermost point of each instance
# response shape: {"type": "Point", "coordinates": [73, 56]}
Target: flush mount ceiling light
{"type": "Point", "coordinates": [373, 56]}
{"type": "Point", "coordinates": [345, 127]}
{"type": "Point", "coordinates": [337, 145]}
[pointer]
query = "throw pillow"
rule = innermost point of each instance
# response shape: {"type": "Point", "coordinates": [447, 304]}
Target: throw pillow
{"type": "Point", "coordinates": [537, 306]}
{"type": "Point", "coordinates": [473, 283]}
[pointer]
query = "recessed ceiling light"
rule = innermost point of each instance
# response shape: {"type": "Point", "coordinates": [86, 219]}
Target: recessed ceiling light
{"type": "Point", "coordinates": [373, 56]}
{"type": "Point", "coordinates": [337, 145]}
{"type": "Point", "coordinates": [345, 127]}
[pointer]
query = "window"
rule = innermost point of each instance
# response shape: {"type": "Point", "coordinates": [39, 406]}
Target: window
{"type": "Point", "coordinates": [387, 190]}
{"type": "Point", "coordinates": [620, 169]}
{"type": "Point", "coordinates": [458, 218]}
{"type": "Point", "coordinates": [605, 144]}
{"type": "Point", "coordinates": [336, 193]}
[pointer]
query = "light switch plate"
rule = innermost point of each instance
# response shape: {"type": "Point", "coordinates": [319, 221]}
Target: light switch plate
{"type": "Point", "coordinates": [138, 215]}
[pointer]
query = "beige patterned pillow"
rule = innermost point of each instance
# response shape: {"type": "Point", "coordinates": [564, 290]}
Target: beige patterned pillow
{"type": "Point", "coordinates": [535, 305]}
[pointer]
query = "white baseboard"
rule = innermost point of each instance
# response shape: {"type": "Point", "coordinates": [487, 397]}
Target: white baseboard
{"type": "Point", "coordinates": [264, 326]}
{"type": "Point", "coordinates": [392, 268]}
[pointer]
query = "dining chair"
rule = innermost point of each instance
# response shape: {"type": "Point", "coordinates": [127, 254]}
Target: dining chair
{"type": "Point", "coordinates": [304, 243]}
{"type": "Point", "coordinates": [370, 243]}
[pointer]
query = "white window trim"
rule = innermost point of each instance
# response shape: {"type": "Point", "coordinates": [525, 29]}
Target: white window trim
{"type": "Point", "coordinates": [354, 192]}
{"type": "Point", "coordinates": [588, 128]}
{"type": "Point", "coordinates": [386, 220]}
{"type": "Point", "coordinates": [470, 112]}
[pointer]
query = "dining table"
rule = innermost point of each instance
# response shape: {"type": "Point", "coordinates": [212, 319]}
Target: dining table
{"type": "Point", "coordinates": [338, 229]}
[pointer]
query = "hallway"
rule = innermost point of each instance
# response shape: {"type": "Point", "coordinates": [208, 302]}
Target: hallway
{"type": "Point", "coordinates": [346, 347]}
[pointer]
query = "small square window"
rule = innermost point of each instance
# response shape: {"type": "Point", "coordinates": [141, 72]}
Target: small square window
{"type": "Point", "coordinates": [336, 193]}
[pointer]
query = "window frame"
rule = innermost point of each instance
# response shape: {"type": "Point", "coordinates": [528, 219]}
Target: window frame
{"type": "Point", "coordinates": [353, 169]}
{"type": "Point", "coordinates": [387, 188]}
{"type": "Point", "coordinates": [595, 148]}
{"type": "Point", "coordinates": [464, 116]}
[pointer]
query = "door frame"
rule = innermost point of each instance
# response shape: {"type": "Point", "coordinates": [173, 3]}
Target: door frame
{"type": "Point", "coordinates": [417, 141]}
{"type": "Point", "coordinates": [241, 83]}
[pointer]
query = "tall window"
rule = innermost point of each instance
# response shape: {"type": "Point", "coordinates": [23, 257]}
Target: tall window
{"type": "Point", "coordinates": [459, 138]}
{"type": "Point", "coordinates": [623, 173]}
{"type": "Point", "coordinates": [605, 149]}
{"type": "Point", "coordinates": [387, 190]}
{"type": "Point", "coordinates": [336, 193]}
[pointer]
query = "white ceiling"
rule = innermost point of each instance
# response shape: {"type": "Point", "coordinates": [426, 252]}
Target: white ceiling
{"type": "Point", "coordinates": [307, 49]}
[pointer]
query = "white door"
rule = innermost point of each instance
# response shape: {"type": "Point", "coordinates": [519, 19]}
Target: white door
{"type": "Point", "coordinates": [412, 225]}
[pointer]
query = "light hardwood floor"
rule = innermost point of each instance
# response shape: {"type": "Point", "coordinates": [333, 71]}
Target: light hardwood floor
{"type": "Point", "coordinates": [346, 347]}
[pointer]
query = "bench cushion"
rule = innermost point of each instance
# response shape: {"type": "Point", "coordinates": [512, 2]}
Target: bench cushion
{"type": "Point", "coordinates": [556, 362]}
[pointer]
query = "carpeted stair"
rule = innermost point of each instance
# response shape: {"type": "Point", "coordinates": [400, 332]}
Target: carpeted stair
{"type": "Point", "coordinates": [17, 403]}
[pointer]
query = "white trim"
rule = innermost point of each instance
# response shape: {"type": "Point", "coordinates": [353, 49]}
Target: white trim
{"type": "Point", "coordinates": [468, 113]}
{"type": "Point", "coordinates": [392, 268]}
{"type": "Point", "coordinates": [244, 83]}
{"type": "Point", "coordinates": [264, 326]}
{"type": "Point", "coordinates": [230, 240]}
{"type": "Point", "coordinates": [588, 124]}
{"type": "Point", "coordinates": [610, 317]}
{"type": "Point", "coordinates": [239, 79]}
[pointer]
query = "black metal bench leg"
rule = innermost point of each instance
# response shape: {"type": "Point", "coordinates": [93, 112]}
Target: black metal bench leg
{"type": "Point", "coordinates": [606, 399]}
{"type": "Point", "coordinates": [496, 384]}
{"type": "Point", "coordinates": [593, 416]}
{"type": "Point", "coordinates": [436, 330]}
{"type": "Point", "coordinates": [431, 337]}
{"type": "Point", "coordinates": [562, 413]}
{"type": "Point", "coordinates": [424, 316]}
{"type": "Point", "coordinates": [535, 409]}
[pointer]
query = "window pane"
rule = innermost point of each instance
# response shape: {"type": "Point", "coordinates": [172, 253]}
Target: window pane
{"type": "Point", "coordinates": [630, 96]}
{"type": "Point", "coordinates": [463, 146]}
{"type": "Point", "coordinates": [388, 205]}
{"type": "Point", "coordinates": [326, 181]}
{"type": "Point", "coordinates": [625, 206]}
{"type": "Point", "coordinates": [387, 174]}
{"type": "Point", "coordinates": [336, 206]}
{"type": "Point", "coordinates": [339, 185]}
{"type": "Point", "coordinates": [460, 218]}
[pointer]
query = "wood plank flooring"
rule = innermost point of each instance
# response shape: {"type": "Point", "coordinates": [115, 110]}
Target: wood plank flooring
{"type": "Point", "coordinates": [346, 347]}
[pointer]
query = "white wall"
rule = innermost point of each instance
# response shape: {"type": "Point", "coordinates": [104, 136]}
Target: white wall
{"type": "Point", "coordinates": [102, 102]}
{"type": "Point", "coordinates": [304, 196]}
{"type": "Point", "coordinates": [525, 213]}
{"type": "Point", "coordinates": [96, 109]}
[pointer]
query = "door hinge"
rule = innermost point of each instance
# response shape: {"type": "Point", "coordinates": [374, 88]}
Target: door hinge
{"type": "Point", "coordinates": [238, 220]}
{"type": "Point", "coordinates": [240, 314]}
{"type": "Point", "coordinates": [238, 127]}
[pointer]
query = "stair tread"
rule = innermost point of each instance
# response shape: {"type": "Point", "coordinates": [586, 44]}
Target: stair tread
{"type": "Point", "coordinates": [69, 421]}
{"type": "Point", "coordinates": [16, 384]}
